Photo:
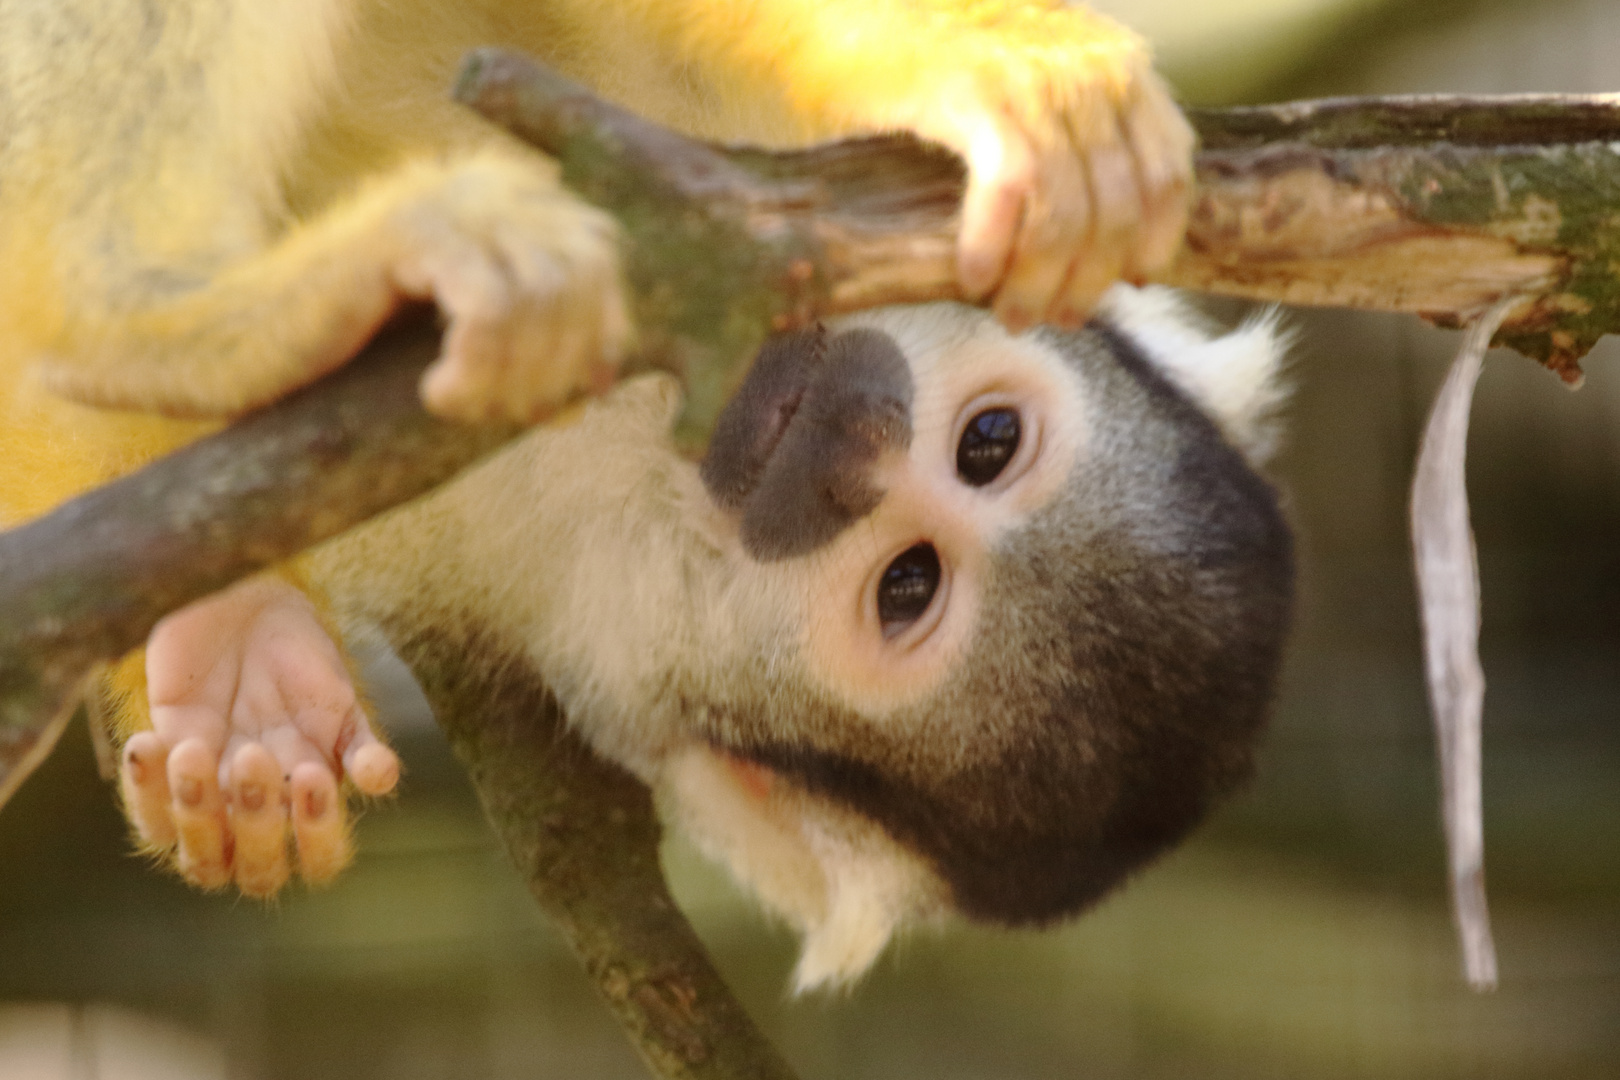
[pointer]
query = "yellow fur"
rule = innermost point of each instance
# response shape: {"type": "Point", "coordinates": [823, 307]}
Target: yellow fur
{"type": "Point", "coordinates": [145, 226]}
{"type": "Point", "coordinates": [198, 198]}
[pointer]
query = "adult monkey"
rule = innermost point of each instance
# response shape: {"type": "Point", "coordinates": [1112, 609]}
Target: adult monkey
{"type": "Point", "coordinates": [206, 203]}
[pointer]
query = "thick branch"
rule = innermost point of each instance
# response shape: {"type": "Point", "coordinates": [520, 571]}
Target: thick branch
{"type": "Point", "coordinates": [583, 833]}
{"type": "Point", "coordinates": [1433, 205]}
{"type": "Point", "coordinates": [1436, 206]}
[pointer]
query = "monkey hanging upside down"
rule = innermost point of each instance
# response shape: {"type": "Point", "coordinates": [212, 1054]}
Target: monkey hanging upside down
{"type": "Point", "coordinates": [958, 619]}
{"type": "Point", "coordinates": [945, 621]}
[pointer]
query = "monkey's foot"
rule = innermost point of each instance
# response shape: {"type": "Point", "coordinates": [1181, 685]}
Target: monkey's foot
{"type": "Point", "coordinates": [254, 723]}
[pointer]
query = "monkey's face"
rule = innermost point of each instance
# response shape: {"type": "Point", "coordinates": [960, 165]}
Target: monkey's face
{"type": "Point", "coordinates": [873, 470]}
{"type": "Point", "coordinates": [1040, 598]}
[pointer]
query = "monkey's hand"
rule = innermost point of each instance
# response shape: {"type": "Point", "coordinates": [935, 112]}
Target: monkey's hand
{"type": "Point", "coordinates": [254, 724]}
{"type": "Point", "coordinates": [1079, 162]}
{"type": "Point", "coordinates": [1079, 165]}
{"type": "Point", "coordinates": [525, 273]}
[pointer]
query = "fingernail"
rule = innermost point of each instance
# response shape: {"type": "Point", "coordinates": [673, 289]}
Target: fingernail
{"type": "Point", "coordinates": [600, 378]}
{"type": "Point", "coordinates": [1016, 318]}
{"type": "Point", "coordinates": [135, 767]}
{"type": "Point", "coordinates": [191, 790]}
{"type": "Point", "coordinates": [251, 796]}
{"type": "Point", "coordinates": [315, 804]}
{"type": "Point", "coordinates": [976, 283]}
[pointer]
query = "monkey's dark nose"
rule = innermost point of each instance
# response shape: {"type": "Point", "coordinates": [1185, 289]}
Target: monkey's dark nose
{"type": "Point", "coordinates": [794, 450]}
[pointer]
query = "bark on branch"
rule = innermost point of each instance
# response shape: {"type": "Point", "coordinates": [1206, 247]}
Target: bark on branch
{"type": "Point", "coordinates": [1435, 206]}
{"type": "Point", "coordinates": [583, 834]}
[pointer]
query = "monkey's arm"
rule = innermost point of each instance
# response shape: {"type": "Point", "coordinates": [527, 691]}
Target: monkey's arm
{"type": "Point", "coordinates": [1079, 162]}
{"type": "Point", "coordinates": [151, 260]}
{"type": "Point", "coordinates": [519, 267]}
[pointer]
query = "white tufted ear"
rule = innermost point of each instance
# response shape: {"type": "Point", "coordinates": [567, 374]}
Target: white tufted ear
{"type": "Point", "coordinates": [1235, 377]}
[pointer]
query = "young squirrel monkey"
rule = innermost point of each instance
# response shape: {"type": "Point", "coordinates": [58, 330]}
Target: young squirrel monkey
{"type": "Point", "coordinates": [207, 203]}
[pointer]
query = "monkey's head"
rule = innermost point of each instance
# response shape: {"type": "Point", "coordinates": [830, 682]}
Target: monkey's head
{"type": "Point", "coordinates": [1029, 598]}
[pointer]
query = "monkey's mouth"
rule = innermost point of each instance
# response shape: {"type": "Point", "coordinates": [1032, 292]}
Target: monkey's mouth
{"type": "Point", "coordinates": [795, 451]}
{"type": "Point", "coordinates": [756, 420]}
{"type": "Point", "coordinates": [740, 452]}
{"type": "Point", "coordinates": [777, 420]}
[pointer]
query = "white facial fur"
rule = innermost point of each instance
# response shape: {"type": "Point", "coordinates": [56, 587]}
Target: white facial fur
{"type": "Point", "coordinates": [961, 364]}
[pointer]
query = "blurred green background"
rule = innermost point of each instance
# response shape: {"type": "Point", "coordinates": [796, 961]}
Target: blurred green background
{"type": "Point", "coordinates": [1303, 933]}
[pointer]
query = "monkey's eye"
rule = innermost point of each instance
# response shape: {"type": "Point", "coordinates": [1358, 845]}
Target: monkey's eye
{"type": "Point", "coordinates": [908, 586]}
{"type": "Point", "coordinates": [988, 444]}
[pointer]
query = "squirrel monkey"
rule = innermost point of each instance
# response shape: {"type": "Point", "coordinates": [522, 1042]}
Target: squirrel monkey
{"type": "Point", "coordinates": [207, 203]}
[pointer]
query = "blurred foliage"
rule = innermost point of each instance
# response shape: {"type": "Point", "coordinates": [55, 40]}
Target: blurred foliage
{"type": "Point", "coordinates": [1222, 52]}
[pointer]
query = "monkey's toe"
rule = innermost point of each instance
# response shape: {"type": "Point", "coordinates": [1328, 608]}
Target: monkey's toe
{"type": "Point", "coordinates": [144, 779]}
{"type": "Point", "coordinates": [203, 854]}
{"type": "Point", "coordinates": [319, 827]}
{"type": "Point", "coordinates": [257, 815]}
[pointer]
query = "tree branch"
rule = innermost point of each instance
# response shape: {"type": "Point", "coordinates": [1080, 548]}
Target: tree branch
{"type": "Point", "coordinates": [1438, 206]}
{"type": "Point", "coordinates": [583, 833]}
{"type": "Point", "coordinates": [1432, 205]}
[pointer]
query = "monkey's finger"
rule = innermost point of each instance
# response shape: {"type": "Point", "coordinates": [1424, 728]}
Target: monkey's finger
{"type": "Point", "coordinates": [569, 343]}
{"type": "Point", "coordinates": [473, 378]}
{"type": "Point", "coordinates": [257, 814]}
{"type": "Point", "coordinates": [1116, 214]}
{"type": "Point", "coordinates": [372, 766]}
{"type": "Point", "coordinates": [549, 338]}
{"type": "Point", "coordinates": [198, 812]}
{"type": "Point", "coordinates": [1161, 145]}
{"type": "Point", "coordinates": [319, 829]}
{"type": "Point", "coordinates": [591, 293]}
{"type": "Point", "coordinates": [1164, 226]}
{"type": "Point", "coordinates": [1001, 178]}
{"type": "Point", "coordinates": [573, 330]}
{"type": "Point", "coordinates": [615, 336]}
{"type": "Point", "coordinates": [1057, 225]}
{"type": "Point", "coordinates": [315, 806]}
{"type": "Point", "coordinates": [144, 779]}
{"type": "Point", "coordinates": [476, 297]}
